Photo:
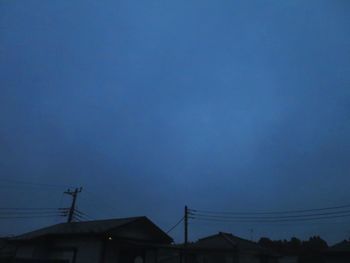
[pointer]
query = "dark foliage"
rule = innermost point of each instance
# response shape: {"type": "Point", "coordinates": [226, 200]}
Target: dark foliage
{"type": "Point", "coordinates": [315, 245]}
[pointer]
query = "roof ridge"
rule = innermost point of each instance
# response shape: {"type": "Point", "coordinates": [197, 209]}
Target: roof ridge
{"type": "Point", "coordinates": [243, 239]}
{"type": "Point", "coordinates": [225, 236]}
{"type": "Point", "coordinates": [101, 220]}
{"type": "Point", "coordinates": [78, 225]}
{"type": "Point", "coordinates": [208, 237]}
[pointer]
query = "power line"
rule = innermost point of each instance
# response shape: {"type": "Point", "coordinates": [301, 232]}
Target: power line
{"type": "Point", "coordinates": [79, 212]}
{"type": "Point", "coordinates": [29, 213]}
{"type": "Point", "coordinates": [95, 198]}
{"type": "Point", "coordinates": [207, 215]}
{"type": "Point", "coordinates": [35, 210]}
{"type": "Point", "coordinates": [173, 227]}
{"type": "Point", "coordinates": [271, 212]}
{"type": "Point", "coordinates": [28, 208]}
{"type": "Point", "coordinates": [268, 220]}
{"type": "Point", "coordinates": [82, 215]}
{"type": "Point", "coordinates": [28, 217]}
{"type": "Point", "coordinates": [271, 216]}
{"type": "Point", "coordinates": [77, 219]}
{"type": "Point", "coordinates": [76, 216]}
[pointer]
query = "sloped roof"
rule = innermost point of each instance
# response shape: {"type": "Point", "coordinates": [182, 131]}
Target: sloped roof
{"type": "Point", "coordinates": [95, 227]}
{"type": "Point", "coordinates": [343, 246]}
{"type": "Point", "coordinates": [227, 241]}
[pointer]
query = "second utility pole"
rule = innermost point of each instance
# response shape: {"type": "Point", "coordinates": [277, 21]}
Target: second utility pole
{"type": "Point", "coordinates": [185, 235]}
{"type": "Point", "coordinates": [186, 225]}
{"type": "Point", "coordinates": [74, 195]}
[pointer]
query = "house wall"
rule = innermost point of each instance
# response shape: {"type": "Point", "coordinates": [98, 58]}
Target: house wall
{"type": "Point", "coordinates": [337, 260]}
{"type": "Point", "coordinates": [288, 259]}
{"type": "Point", "coordinates": [87, 250]}
{"type": "Point", "coordinates": [219, 257]}
{"type": "Point", "coordinates": [205, 257]}
{"type": "Point", "coordinates": [248, 258]}
{"type": "Point", "coordinates": [25, 251]}
{"type": "Point", "coordinates": [168, 256]}
{"type": "Point", "coordinates": [35, 250]}
{"type": "Point", "coordinates": [67, 255]}
{"type": "Point", "coordinates": [113, 253]}
{"type": "Point", "coordinates": [151, 256]}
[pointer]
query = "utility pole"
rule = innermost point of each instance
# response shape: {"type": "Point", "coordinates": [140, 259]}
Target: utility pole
{"type": "Point", "coordinates": [74, 195]}
{"type": "Point", "coordinates": [185, 235]}
{"type": "Point", "coordinates": [186, 226]}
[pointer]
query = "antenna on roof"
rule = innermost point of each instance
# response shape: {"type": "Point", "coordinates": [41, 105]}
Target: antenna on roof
{"type": "Point", "coordinates": [251, 234]}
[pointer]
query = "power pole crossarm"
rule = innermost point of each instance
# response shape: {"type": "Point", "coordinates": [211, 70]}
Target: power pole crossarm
{"type": "Point", "coordinates": [74, 195]}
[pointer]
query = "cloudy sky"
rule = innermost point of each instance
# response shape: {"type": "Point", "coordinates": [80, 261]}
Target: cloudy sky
{"type": "Point", "coordinates": [152, 105]}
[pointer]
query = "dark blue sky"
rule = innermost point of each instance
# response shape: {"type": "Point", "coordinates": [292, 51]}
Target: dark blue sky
{"type": "Point", "coordinates": [151, 105]}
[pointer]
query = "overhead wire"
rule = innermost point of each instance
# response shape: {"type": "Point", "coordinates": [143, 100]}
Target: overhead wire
{"type": "Point", "coordinates": [271, 216]}
{"type": "Point", "coordinates": [27, 208]}
{"type": "Point", "coordinates": [271, 220]}
{"type": "Point", "coordinates": [173, 227]}
{"type": "Point", "coordinates": [82, 215]}
{"type": "Point", "coordinates": [27, 216]}
{"type": "Point", "coordinates": [271, 212]}
{"type": "Point", "coordinates": [60, 186]}
{"type": "Point", "coordinates": [30, 213]}
{"type": "Point", "coordinates": [24, 212]}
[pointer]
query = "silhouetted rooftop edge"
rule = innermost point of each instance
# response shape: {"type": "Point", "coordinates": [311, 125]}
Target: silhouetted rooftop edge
{"type": "Point", "coordinates": [94, 227]}
{"type": "Point", "coordinates": [224, 240]}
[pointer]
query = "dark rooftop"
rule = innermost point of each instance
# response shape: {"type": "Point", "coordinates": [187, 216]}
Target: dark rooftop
{"type": "Point", "coordinates": [343, 246]}
{"type": "Point", "coordinates": [227, 241]}
{"type": "Point", "coordinates": [95, 227]}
